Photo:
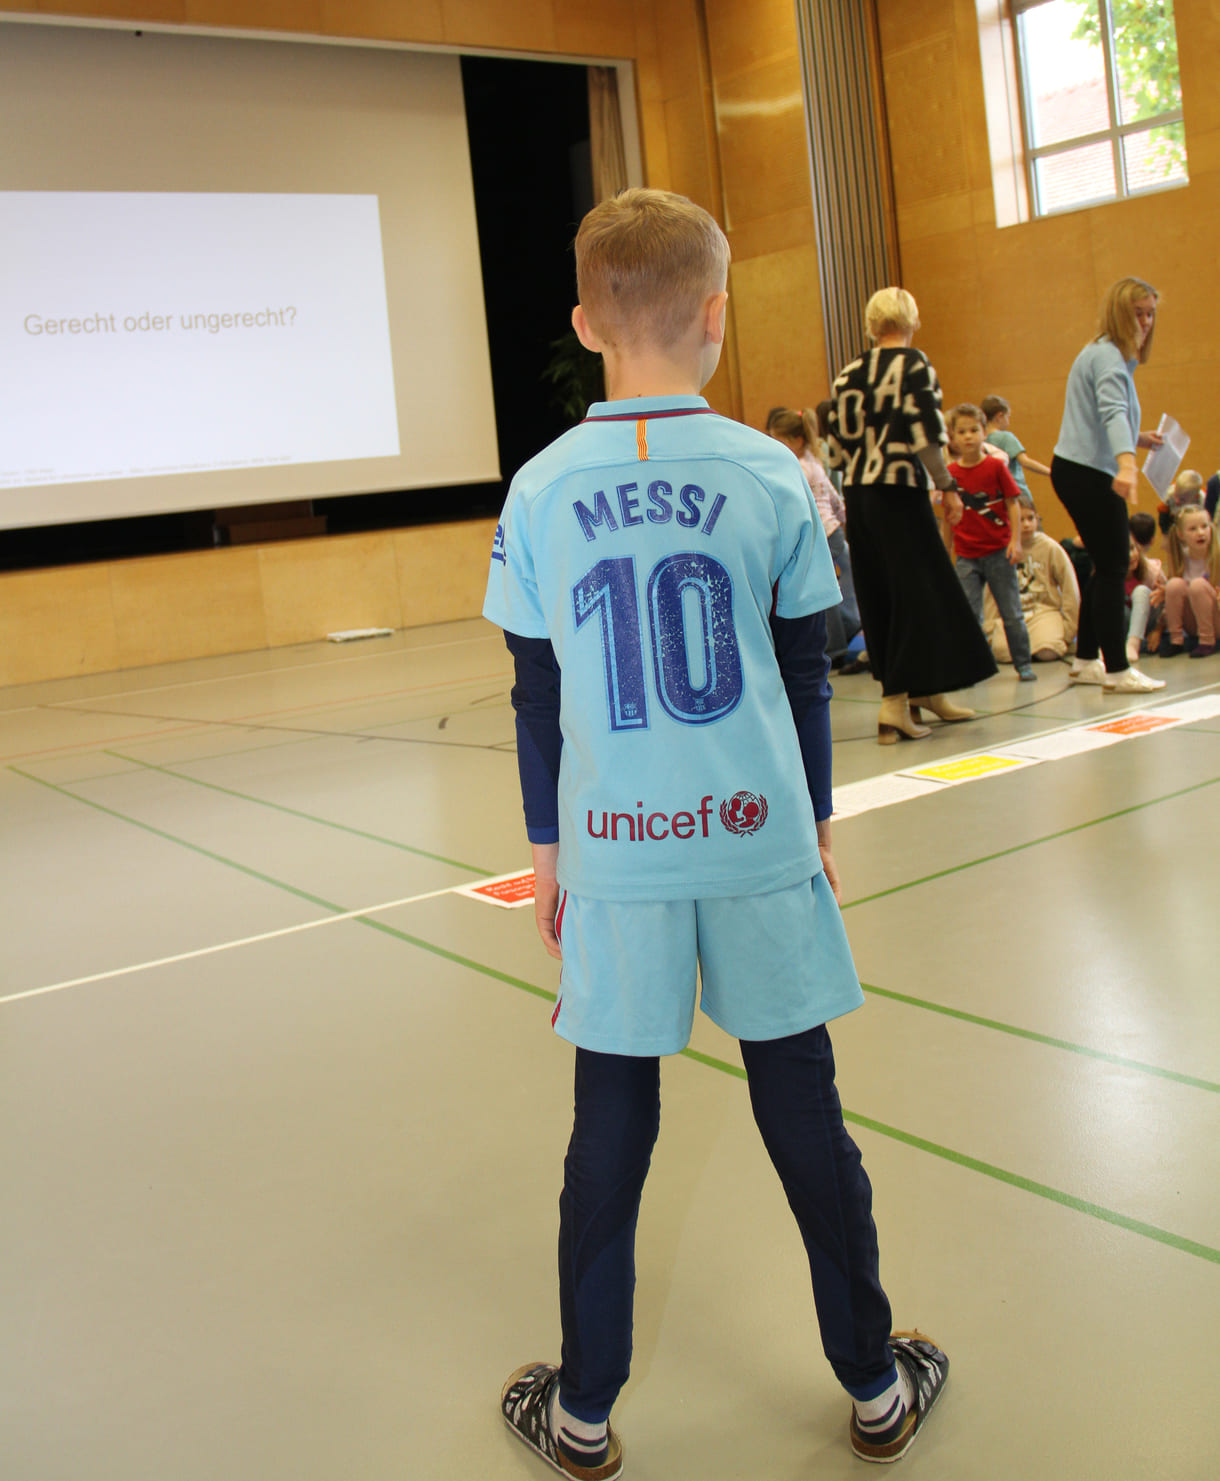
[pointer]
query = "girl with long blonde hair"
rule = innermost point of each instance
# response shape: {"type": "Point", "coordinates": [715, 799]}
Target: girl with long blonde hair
{"type": "Point", "coordinates": [1192, 598]}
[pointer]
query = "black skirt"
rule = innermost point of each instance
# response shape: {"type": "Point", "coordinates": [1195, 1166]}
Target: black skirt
{"type": "Point", "coordinates": [922, 636]}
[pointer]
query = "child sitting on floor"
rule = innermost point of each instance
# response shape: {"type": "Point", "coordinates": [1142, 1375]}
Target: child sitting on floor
{"type": "Point", "coordinates": [1192, 597]}
{"type": "Point", "coordinates": [1145, 595]}
{"type": "Point", "coordinates": [1187, 488]}
{"type": "Point", "coordinates": [1050, 596]}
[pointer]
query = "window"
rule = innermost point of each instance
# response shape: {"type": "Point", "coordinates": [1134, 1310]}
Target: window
{"type": "Point", "coordinates": [1100, 100]}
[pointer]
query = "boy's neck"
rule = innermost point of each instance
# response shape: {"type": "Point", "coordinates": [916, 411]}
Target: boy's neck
{"type": "Point", "coordinates": [649, 373]}
{"type": "Point", "coordinates": [973, 462]}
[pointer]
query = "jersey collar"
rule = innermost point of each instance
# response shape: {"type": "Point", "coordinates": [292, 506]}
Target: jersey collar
{"type": "Point", "coordinates": [651, 407]}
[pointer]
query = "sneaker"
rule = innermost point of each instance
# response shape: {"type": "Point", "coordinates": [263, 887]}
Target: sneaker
{"type": "Point", "coordinates": [1025, 672]}
{"type": "Point", "coordinates": [1131, 681]}
{"type": "Point", "coordinates": [1203, 650]}
{"type": "Point", "coordinates": [928, 1370]}
{"type": "Point", "coordinates": [1087, 671]}
{"type": "Point", "coordinates": [1171, 649]}
{"type": "Point", "coordinates": [525, 1403]}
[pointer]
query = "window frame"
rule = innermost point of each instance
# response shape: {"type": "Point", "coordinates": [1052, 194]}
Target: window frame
{"type": "Point", "coordinates": [1115, 135]}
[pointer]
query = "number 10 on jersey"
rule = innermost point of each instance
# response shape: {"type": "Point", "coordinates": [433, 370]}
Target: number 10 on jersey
{"type": "Point", "coordinates": [695, 683]}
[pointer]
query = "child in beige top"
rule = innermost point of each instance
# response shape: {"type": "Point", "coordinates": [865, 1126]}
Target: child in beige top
{"type": "Point", "coordinates": [1050, 595]}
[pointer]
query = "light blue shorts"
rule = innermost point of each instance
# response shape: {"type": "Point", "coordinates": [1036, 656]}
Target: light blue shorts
{"type": "Point", "coordinates": [769, 966]}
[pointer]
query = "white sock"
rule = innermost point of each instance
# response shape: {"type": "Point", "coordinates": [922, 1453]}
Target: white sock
{"type": "Point", "coordinates": [583, 1441]}
{"type": "Point", "coordinates": [874, 1416]}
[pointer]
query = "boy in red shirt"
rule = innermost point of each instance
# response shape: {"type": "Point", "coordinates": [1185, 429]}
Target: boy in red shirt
{"type": "Point", "coordinates": [987, 531]}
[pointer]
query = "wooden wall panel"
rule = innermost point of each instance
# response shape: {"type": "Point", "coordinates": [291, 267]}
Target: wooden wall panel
{"type": "Point", "coordinates": [194, 605]}
{"type": "Point", "coordinates": [67, 622]}
{"type": "Point", "coordinates": [385, 20]}
{"type": "Point", "coordinates": [606, 29]}
{"type": "Point", "coordinates": [523, 25]}
{"type": "Point", "coordinates": [56, 624]}
{"type": "Point", "coordinates": [763, 154]}
{"type": "Point", "coordinates": [267, 15]}
{"type": "Point", "coordinates": [315, 587]}
{"type": "Point", "coordinates": [743, 34]}
{"type": "Point", "coordinates": [173, 11]}
{"type": "Point", "coordinates": [779, 332]}
{"type": "Point", "coordinates": [441, 570]}
{"type": "Point", "coordinates": [764, 157]}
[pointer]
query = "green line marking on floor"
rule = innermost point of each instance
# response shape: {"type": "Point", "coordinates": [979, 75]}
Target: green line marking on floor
{"type": "Point", "coordinates": [195, 848]}
{"type": "Point", "coordinates": [997, 1025]}
{"type": "Point", "coordinates": [105, 776]}
{"type": "Point", "coordinates": [461, 961]}
{"type": "Point", "coordinates": [1025, 1033]}
{"type": "Point", "coordinates": [294, 812]}
{"type": "Point", "coordinates": [1001, 1175]}
{"type": "Point", "coordinates": [1017, 848]}
{"type": "Point", "coordinates": [973, 1164]}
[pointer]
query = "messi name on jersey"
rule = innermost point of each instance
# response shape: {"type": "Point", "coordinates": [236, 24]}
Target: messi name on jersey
{"type": "Point", "coordinates": [658, 504]}
{"type": "Point", "coordinates": [742, 814]}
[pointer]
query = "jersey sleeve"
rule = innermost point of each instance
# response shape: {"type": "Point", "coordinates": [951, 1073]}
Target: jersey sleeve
{"type": "Point", "coordinates": [535, 700]}
{"type": "Point", "coordinates": [800, 651]}
{"type": "Point", "coordinates": [512, 601]}
{"type": "Point", "coordinates": [807, 581]}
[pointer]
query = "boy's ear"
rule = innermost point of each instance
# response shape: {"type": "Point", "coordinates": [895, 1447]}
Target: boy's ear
{"type": "Point", "coordinates": [714, 316]}
{"type": "Point", "coordinates": [584, 331]}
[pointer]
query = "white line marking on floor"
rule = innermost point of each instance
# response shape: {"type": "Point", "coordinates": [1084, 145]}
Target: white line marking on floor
{"type": "Point", "coordinates": [1075, 737]}
{"type": "Point", "coordinates": [186, 956]}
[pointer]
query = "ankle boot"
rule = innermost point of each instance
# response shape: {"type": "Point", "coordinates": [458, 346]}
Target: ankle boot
{"type": "Point", "coordinates": [895, 722]}
{"type": "Point", "coordinates": [942, 708]}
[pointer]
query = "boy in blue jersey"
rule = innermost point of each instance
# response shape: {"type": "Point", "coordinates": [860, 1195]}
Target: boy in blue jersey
{"type": "Point", "coordinates": [661, 576]}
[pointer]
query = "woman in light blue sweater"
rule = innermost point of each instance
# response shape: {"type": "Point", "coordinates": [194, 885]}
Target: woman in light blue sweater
{"type": "Point", "coordinates": [1093, 473]}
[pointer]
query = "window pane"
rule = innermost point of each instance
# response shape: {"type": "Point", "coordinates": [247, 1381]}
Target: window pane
{"type": "Point", "coordinates": [1076, 177]}
{"type": "Point", "coordinates": [1157, 157]}
{"type": "Point", "coordinates": [1146, 55]}
{"type": "Point", "coordinates": [1065, 75]}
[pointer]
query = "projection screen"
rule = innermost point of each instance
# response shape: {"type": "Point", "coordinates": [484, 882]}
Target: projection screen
{"type": "Point", "coordinates": [233, 272]}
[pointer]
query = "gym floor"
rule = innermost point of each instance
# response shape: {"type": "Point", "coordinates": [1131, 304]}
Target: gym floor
{"type": "Point", "coordinates": [283, 1116]}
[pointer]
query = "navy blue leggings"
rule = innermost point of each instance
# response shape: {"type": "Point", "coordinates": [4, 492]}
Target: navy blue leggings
{"type": "Point", "coordinates": [796, 1107]}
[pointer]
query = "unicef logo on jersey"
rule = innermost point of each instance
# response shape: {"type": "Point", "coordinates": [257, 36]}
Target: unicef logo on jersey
{"type": "Point", "coordinates": [743, 813]}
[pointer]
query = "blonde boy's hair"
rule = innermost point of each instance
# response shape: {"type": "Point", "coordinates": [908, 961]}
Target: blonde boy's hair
{"type": "Point", "coordinates": [1118, 317]}
{"type": "Point", "coordinates": [965, 411]}
{"type": "Point", "coordinates": [1175, 547]}
{"type": "Point", "coordinates": [890, 311]}
{"type": "Point", "coordinates": [646, 262]}
{"type": "Point", "coordinates": [1187, 487]}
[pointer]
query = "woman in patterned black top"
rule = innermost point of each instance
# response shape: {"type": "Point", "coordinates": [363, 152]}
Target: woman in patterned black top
{"type": "Point", "coordinates": [886, 433]}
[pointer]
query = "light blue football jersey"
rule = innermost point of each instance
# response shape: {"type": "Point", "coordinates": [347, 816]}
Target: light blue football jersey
{"type": "Point", "coordinates": [649, 544]}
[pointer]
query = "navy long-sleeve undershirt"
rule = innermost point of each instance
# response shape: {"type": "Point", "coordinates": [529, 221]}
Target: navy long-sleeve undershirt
{"type": "Point", "coordinates": [800, 651]}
